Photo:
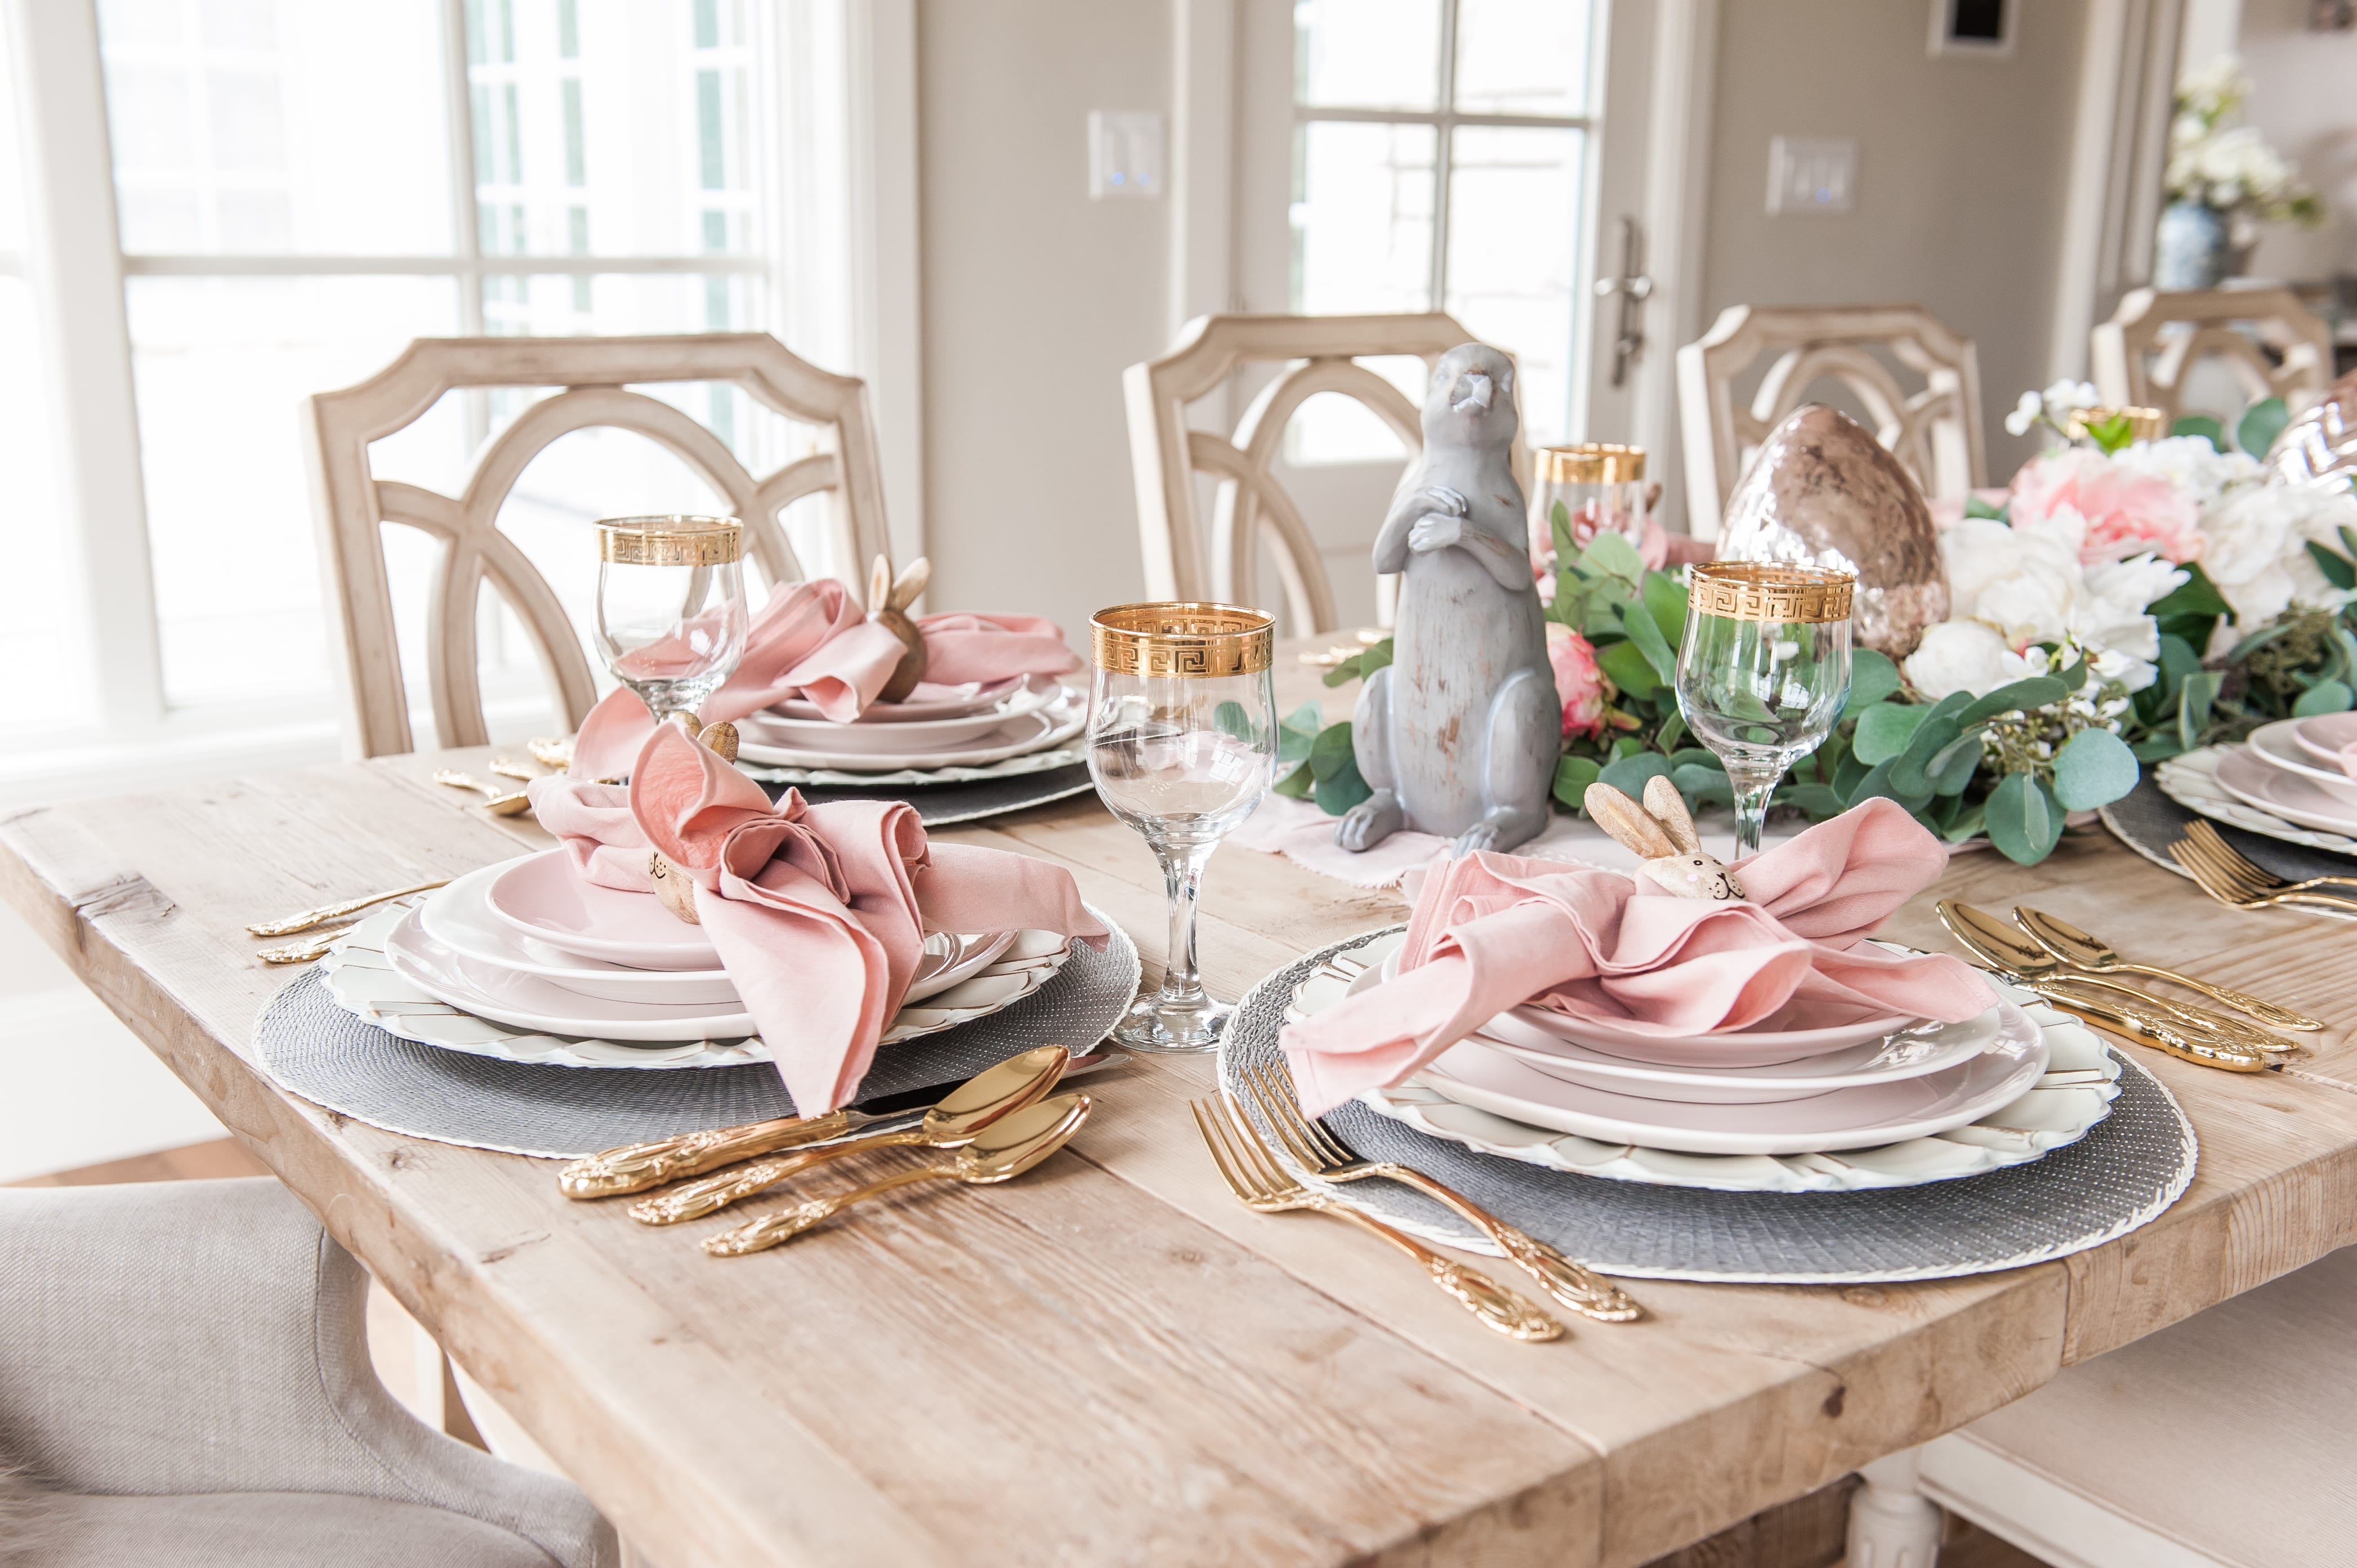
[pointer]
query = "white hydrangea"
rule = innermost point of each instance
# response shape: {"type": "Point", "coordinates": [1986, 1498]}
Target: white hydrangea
{"type": "Point", "coordinates": [2055, 406]}
{"type": "Point", "coordinates": [2255, 548]}
{"type": "Point", "coordinates": [2010, 588]}
{"type": "Point", "coordinates": [2194, 467]}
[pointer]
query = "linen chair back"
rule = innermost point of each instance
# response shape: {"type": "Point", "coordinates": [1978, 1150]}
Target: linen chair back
{"type": "Point", "coordinates": [597, 375]}
{"type": "Point", "coordinates": [2273, 345]}
{"type": "Point", "coordinates": [1186, 558]}
{"type": "Point", "coordinates": [1934, 432]}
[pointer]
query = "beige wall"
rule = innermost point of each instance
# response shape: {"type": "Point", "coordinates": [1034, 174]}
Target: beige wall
{"type": "Point", "coordinates": [2305, 102]}
{"type": "Point", "coordinates": [1035, 299]}
{"type": "Point", "coordinates": [1963, 167]}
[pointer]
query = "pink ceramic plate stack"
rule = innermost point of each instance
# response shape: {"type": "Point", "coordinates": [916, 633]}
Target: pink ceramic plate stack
{"type": "Point", "coordinates": [937, 726]}
{"type": "Point", "coordinates": [2293, 769]}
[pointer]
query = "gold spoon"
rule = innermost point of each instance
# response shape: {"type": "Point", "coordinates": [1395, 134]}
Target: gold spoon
{"type": "Point", "coordinates": [2080, 951]}
{"type": "Point", "coordinates": [963, 1113]}
{"type": "Point", "coordinates": [2184, 1033]}
{"type": "Point", "coordinates": [501, 802]}
{"type": "Point", "coordinates": [1003, 1151]}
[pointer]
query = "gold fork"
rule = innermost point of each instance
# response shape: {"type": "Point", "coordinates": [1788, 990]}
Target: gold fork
{"type": "Point", "coordinates": [2246, 883]}
{"type": "Point", "coordinates": [1572, 1284]}
{"type": "Point", "coordinates": [500, 803]}
{"type": "Point", "coordinates": [1252, 1174]}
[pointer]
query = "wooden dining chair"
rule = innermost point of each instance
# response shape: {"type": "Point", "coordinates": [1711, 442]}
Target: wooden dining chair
{"type": "Point", "coordinates": [1187, 560]}
{"type": "Point", "coordinates": [1934, 431]}
{"type": "Point", "coordinates": [2270, 342]}
{"type": "Point", "coordinates": [597, 375]}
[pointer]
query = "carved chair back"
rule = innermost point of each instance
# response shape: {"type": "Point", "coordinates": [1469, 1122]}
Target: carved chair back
{"type": "Point", "coordinates": [597, 375]}
{"type": "Point", "coordinates": [2273, 346]}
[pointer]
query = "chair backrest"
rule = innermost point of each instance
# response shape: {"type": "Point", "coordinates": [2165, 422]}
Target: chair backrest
{"type": "Point", "coordinates": [1934, 432]}
{"type": "Point", "coordinates": [1321, 353]}
{"type": "Point", "coordinates": [2144, 353]}
{"type": "Point", "coordinates": [597, 374]}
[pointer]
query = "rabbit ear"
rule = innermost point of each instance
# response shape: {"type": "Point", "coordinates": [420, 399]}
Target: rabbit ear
{"type": "Point", "coordinates": [1669, 809]}
{"type": "Point", "coordinates": [1627, 822]}
{"type": "Point", "coordinates": [879, 585]}
{"type": "Point", "coordinates": [911, 583]}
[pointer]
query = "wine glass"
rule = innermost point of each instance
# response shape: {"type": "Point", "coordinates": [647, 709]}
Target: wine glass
{"type": "Point", "coordinates": [1762, 671]}
{"type": "Point", "coordinates": [1182, 746]}
{"type": "Point", "coordinates": [671, 606]}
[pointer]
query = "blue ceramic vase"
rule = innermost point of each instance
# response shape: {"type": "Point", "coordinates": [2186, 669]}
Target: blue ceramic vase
{"type": "Point", "coordinates": [2193, 249]}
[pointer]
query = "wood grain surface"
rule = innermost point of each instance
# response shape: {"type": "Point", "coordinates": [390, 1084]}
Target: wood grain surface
{"type": "Point", "coordinates": [1111, 1361]}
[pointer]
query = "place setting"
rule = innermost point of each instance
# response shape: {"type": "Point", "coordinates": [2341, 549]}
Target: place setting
{"type": "Point", "coordinates": [2267, 822]}
{"type": "Point", "coordinates": [694, 955]}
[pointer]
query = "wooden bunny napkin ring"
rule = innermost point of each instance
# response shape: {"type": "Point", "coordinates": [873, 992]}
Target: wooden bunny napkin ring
{"type": "Point", "coordinates": [1661, 831]}
{"type": "Point", "coordinates": [889, 599]}
{"type": "Point", "coordinates": [673, 888]}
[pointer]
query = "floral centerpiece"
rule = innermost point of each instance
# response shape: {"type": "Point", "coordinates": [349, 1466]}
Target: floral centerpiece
{"type": "Point", "coordinates": [2223, 179]}
{"type": "Point", "coordinates": [2119, 603]}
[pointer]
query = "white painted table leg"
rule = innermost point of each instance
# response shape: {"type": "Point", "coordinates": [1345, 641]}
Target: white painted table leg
{"type": "Point", "coordinates": [1892, 1523]}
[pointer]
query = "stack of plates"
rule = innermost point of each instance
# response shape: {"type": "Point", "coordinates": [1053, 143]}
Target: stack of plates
{"type": "Point", "coordinates": [2285, 782]}
{"type": "Point", "coordinates": [530, 961]}
{"type": "Point", "coordinates": [941, 735]}
{"type": "Point", "coordinates": [1798, 1104]}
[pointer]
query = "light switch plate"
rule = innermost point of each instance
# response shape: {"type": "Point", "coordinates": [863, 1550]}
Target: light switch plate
{"type": "Point", "coordinates": [1811, 175]}
{"type": "Point", "coordinates": [1125, 154]}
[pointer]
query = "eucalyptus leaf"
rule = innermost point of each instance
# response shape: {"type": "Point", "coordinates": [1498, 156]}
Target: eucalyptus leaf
{"type": "Point", "coordinates": [1629, 668]}
{"type": "Point", "coordinates": [2337, 569]}
{"type": "Point", "coordinates": [2036, 692]}
{"type": "Point", "coordinates": [1298, 783]}
{"type": "Point", "coordinates": [1341, 790]}
{"type": "Point", "coordinates": [1629, 774]}
{"type": "Point", "coordinates": [1297, 733]}
{"type": "Point", "coordinates": [1233, 720]}
{"type": "Point", "coordinates": [1966, 823]}
{"type": "Point", "coordinates": [1559, 525]}
{"type": "Point", "coordinates": [2204, 427]}
{"type": "Point", "coordinates": [2178, 660]}
{"type": "Point", "coordinates": [1330, 752]}
{"type": "Point", "coordinates": [2260, 424]}
{"type": "Point", "coordinates": [1612, 553]}
{"type": "Point", "coordinates": [1952, 767]}
{"type": "Point", "coordinates": [2025, 820]}
{"type": "Point", "coordinates": [1672, 730]}
{"type": "Point", "coordinates": [1884, 730]}
{"type": "Point", "coordinates": [1665, 600]}
{"type": "Point", "coordinates": [1872, 677]}
{"type": "Point", "coordinates": [1695, 757]}
{"type": "Point", "coordinates": [1573, 775]}
{"type": "Point", "coordinates": [1639, 623]}
{"type": "Point", "coordinates": [1975, 507]}
{"type": "Point", "coordinates": [1818, 800]}
{"type": "Point", "coordinates": [2324, 697]}
{"type": "Point", "coordinates": [2158, 746]}
{"type": "Point", "coordinates": [2094, 769]}
{"type": "Point", "coordinates": [1878, 781]}
{"type": "Point", "coordinates": [2194, 703]}
{"type": "Point", "coordinates": [1704, 785]}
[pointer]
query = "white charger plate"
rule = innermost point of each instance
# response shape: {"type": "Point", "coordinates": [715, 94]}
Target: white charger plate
{"type": "Point", "coordinates": [1035, 731]}
{"type": "Point", "coordinates": [362, 980]}
{"type": "Point", "coordinates": [2254, 780]}
{"type": "Point", "coordinates": [890, 742]}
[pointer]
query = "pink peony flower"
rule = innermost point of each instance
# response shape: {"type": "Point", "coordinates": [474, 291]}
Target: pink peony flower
{"type": "Point", "coordinates": [1577, 681]}
{"type": "Point", "coordinates": [2126, 513]}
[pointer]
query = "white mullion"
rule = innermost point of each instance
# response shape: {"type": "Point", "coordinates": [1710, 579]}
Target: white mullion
{"type": "Point", "coordinates": [74, 266]}
{"type": "Point", "coordinates": [161, 265]}
{"type": "Point", "coordinates": [465, 222]}
{"type": "Point", "coordinates": [1444, 154]}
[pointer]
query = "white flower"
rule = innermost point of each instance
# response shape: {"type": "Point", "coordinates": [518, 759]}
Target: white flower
{"type": "Point", "coordinates": [2194, 467]}
{"type": "Point", "coordinates": [2065, 397]}
{"type": "Point", "coordinates": [1958, 656]}
{"type": "Point", "coordinates": [2110, 623]}
{"type": "Point", "coordinates": [2020, 581]}
{"type": "Point", "coordinates": [2024, 414]}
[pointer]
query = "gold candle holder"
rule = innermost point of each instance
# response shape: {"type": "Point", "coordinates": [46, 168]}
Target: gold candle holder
{"type": "Point", "coordinates": [2144, 423]}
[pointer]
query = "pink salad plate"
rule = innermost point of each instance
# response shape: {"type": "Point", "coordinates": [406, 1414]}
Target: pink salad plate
{"type": "Point", "coordinates": [900, 739]}
{"type": "Point", "coordinates": [2278, 745]}
{"type": "Point", "coordinates": [2323, 736]}
{"type": "Point", "coordinates": [1913, 1053]}
{"type": "Point", "coordinates": [1790, 1035]}
{"type": "Point", "coordinates": [544, 899]}
{"type": "Point", "coordinates": [2255, 781]}
{"type": "Point", "coordinates": [924, 704]}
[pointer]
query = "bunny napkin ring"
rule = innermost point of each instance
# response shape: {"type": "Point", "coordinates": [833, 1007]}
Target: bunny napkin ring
{"type": "Point", "coordinates": [889, 599]}
{"type": "Point", "coordinates": [673, 888]}
{"type": "Point", "coordinates": [1661, 831]}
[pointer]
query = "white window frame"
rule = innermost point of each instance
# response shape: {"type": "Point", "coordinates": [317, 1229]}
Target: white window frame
{"type": "Point", "coordinates": [853, 198]}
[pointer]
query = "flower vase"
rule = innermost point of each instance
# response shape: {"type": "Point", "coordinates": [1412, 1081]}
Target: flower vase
{"type": "Point", "coordinates": [2194, 248]}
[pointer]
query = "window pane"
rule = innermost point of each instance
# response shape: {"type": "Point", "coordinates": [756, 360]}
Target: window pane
{"type": "Point", "coordinates": [1523, 56]}
{"type": "Point", "coordinates": [11, 190]}
{"type": "Point", "coordinates": [613, 127]}
{"type": "Point", "coordinates": [1514, 226]}
{"type": "Point", "coordinates": [278, 126]}
{"type": "Point", "coordinates": [1362, 218]}
{"type": "Point", "coordinates": [223, 366]}
{"type": "Point", "coordinates": [1367, 54]}
{"type": "Point", "coordinates": [40, 638]}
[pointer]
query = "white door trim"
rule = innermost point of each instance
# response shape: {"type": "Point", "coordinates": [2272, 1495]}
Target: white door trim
{"type": "Point", "coordinates": [886, 284]}
{"type": "Point", "coordinates": [1677, 204]}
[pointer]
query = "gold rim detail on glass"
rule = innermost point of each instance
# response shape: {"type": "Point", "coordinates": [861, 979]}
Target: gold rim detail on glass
{"type": "Point", "coordinates": [1590, 463]}
{"type": "Point", "coordinates": [1181, 640]}
{"type": "Point", "coordinates": [2144, 423]}
{"type": "Point", "coordinates": [1761, 590]}
{"type": "Point", "coordinates": [674, 541]}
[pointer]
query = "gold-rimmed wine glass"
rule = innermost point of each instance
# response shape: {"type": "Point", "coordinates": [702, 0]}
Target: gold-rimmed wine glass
{"type": "Point", "coordinates": [671, 606]}
{"type": "Point", "coordinates": [1182, 746]}
{"type": "Point", "coordinates": [1763, 670]}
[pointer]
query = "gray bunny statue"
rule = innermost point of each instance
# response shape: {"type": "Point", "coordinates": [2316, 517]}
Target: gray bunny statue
{"type": "Point", "coordinates": [1458, 735]}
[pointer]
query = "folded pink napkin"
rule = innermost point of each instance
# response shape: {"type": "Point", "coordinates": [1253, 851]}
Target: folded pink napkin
{"type": "Point", "coordinates": [1491, 931]}
{"type": "Point", "coordinates": [812, 640]}
{"type": "Point", "coordinates": [818, 913]}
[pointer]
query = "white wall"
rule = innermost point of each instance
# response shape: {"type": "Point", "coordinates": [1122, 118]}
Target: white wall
{"type": "Point", "coordinates": [1035, 299]}
{"type": "Point", "coordinates": [2306, 104]}
{"type": "Point", "coordinates": [1962, 168]}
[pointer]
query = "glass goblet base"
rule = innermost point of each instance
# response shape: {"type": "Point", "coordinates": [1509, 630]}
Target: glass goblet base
{"type": "Point", "coordinates": [1157, 1022]}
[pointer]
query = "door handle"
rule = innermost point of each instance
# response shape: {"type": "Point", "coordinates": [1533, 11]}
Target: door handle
{"type": "Point", "coordinates": [1634, 288]}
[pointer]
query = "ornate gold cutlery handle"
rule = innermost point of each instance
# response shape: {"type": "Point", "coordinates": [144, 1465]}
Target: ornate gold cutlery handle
{"type": "Point", "coordinates": [2231, 1056]}
{"type": "Point", "coordinates": [715, 1193]}
{"type": "Point", "coordinates": [635, 1167]}
{"type": "Point", "coordinates": [759, 1235]}
{"type": "Point", "coordinates": [326, 912]}
{"type": "Point", "coordinates": [1571, 1283]}
{"type": "Point", "coordinates": [2197, 1020]}
{"type": "Point", "coordinates": [303, 951]}
{"type": "Point", "coordinates": [1497, 1308]}
{"type": "Point", "coordinates": [2264, 1012]}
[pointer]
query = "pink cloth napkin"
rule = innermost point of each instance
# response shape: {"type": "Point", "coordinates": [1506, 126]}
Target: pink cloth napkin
{"type": "Point", "coordinates": [1491, 931]}
{"type": "Point", "coordinates": [818, 913]}
{"type": "Point", "coordinates": [811, 639]}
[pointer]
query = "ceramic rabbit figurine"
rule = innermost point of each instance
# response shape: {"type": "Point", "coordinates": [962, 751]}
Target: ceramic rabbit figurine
{"type": "Point", "coordinates": [1663, 832]}
{"type": "Point", "coordinates": [889, 599]}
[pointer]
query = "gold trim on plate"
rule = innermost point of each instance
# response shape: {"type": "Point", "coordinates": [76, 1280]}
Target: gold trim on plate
{"type": "Point", "coordinates": [1590, 463]}
{"type": "Point", "coordinates": [1182, 639]}
{"type": "Point", "coordinates": [672, 541]}
{"type": "Point", "coordinates": [1763, 590]}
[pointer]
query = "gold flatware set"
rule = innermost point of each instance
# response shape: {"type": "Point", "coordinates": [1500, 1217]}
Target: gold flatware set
{"type": "Point", "coordinates": [990, 1129]}
{"type": "Point", "coordinates": [2077, 972]}
{"type": "Point", "coordinates": [2232, 877]}
{"type": "Point", "coordinates": [310, 920]}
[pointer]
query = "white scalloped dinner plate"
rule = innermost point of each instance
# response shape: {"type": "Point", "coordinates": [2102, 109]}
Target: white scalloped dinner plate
{"type": "Point", "coordinates": [2191, 780]}
{"type": "Point", "coordinates": [914, 777]}
{"type": "Point", "coordinates": [362, 980]}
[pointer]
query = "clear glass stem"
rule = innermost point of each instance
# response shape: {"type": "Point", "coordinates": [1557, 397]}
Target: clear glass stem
{"type": "Point", "coordinates": [1182, 878]}
{"type": "Point", "coordinates": [1752, 786]}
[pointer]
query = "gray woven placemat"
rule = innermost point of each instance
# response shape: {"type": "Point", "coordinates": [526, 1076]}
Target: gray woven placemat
{"type": "Point", "coordinates": [2149, 821]}
{"type": "Point", "coordinates": [2133, 1164]}
{"type": "Point", "coordinates": [969, 801]}
{"type": "Point", "coordinates": [316, 1050]}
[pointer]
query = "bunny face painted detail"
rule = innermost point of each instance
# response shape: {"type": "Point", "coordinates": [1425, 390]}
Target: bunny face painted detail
{"type": "Point", "coordinates": [1661, 831]}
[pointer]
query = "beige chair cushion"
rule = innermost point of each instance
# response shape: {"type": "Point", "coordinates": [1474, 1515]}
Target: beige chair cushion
{"type": "Point", "coordinates": [2234, 1433]}
{"type": "Point", "coordinates": [271, 1529]}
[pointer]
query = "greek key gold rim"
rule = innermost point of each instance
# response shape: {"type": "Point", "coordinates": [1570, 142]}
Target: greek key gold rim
{"type": "Point", "coordinates": [1182, 639]}
{"type": "Point", "coordinates": [2144, 423]}
{"type": "Point", "coordinates": [1591, 463]}
{"type": "Point", "coordinates": [1763, 590]}
{"type": "Point", "coordinates": [676, 539]}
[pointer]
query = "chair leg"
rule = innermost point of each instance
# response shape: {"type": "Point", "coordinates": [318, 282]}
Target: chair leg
{"type": "Point", "coordinates": [1892, 1523]}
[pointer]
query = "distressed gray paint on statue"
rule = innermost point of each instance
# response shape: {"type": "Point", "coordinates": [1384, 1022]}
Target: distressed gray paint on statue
{"type": "Point", "coordinates": [1459, 733]}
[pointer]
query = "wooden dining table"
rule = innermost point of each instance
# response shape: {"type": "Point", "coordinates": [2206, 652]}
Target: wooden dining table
{"type": "Point", "coordinates": [1112, 1362]}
